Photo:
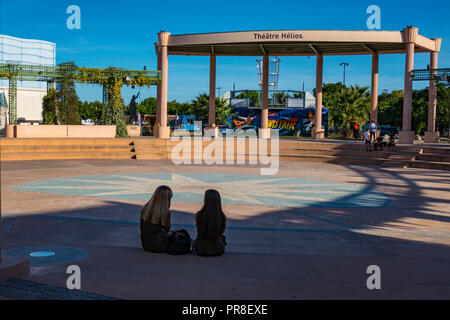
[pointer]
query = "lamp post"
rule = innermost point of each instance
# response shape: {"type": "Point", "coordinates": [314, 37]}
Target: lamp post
{"type": "Point", "coordinates": [345, 64]}
{"type": "Point", "coordinates": [219, 88]}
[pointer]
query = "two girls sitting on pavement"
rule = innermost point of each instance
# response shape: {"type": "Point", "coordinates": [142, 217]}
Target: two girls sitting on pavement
{"type": "Point", "coordinates": [156, 234]}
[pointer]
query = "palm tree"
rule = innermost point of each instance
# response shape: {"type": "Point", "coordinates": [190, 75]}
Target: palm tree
{"type": "Point", "coordinates": [200, 108]}
{"type": "Point", "coordinates": [348, 106]}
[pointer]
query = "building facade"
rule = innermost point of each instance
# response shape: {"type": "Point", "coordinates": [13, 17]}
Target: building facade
{"type": "Point", "coordinates": [29, 94]}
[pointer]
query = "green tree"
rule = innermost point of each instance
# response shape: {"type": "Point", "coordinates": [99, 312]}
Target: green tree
{"type": "Point", "coordinates": [346, 106]}
{"type": "Point", "coordinates": [91, 110]}
{"type": "Point", "coordinates": [176, 108]}
{"type": "Point", "coordinates": [419, 112]}
{"type": "Point", "coordinates": [253, 96]}
{"type": "Point", "coordinates": [390, 108]}
{"type": "Point", "coordinates": [443, 109]}
{"type": "Point", "coordinates": [50, 107]}
{"type": "Point", "coordinates": [223, 111]}
{"type": "Point", "coordinates": [148, 106]}
{"type": "Point", "coordinates": [200, 108]}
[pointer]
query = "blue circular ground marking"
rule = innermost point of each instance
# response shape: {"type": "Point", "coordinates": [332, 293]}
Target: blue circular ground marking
{"type": "Point", "coordinates": [41, 255]}
{"type": "Point", "coordinates": [236, 189]}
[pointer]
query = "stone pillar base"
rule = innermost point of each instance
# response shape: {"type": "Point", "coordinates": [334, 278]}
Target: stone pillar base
{"type": "Point", "coordinates": [264, 133]}
{"type": "Point", "coordinates": [10, 131]}
{"type": "Point", "coordinates": [211, 132]}
{"type": "Point", "coordinates": [318, 134]}
{"type": "Point", "coordinates": [163, 132]}
{"type": "Point", "coordinates": [431, 137]}
{"type": "Point", "coordinates": [13, 267]}
{"type": "Point", "coordinates": [406, 137]}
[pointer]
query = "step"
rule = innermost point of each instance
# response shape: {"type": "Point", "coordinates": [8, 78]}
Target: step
{"type": "Point", "coordinates": [406, 149]}
{"type": "Point", "coordinates": [401, 157]}
{"type": "Point", "coordinates": [66, 156]}
{"type": "Point", "coordinates": [72, 141]}
{"type": "Point", "coordinates": [441, 151]}
{"type": "Point", "coordinates": [432, 157]}
{"type": "Point", "coordinates": [336, 152]}
{"type": "Point", "coordinates": [395, 163]}
{"type": "Point", "coordinates": [151, 155]}
{"type": "Point", "coordinates": [331, 159]}
{"type": "Point", "coordinates": [430, 165]}
{"type": "Point", "coordinates": [282, 157]}
{"type": "Point", "coordinates": [64, 148]}
{"type": "Point", "coordinates": [151, 148]}
{"type": "Point", "coordinates": [321, 145]}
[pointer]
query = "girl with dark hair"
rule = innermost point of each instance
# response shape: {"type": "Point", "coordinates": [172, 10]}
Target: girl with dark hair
{"type": "Point", "coordinates": [211, 224]}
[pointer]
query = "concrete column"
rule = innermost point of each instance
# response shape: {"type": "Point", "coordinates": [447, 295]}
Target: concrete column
{"type": "Point", "coordinates": [406, 136]}
{"type": "Point", "coordinates": [212, 130]}
{"type": "Point", "coordinates": [158, 94]}
{"type": "Point", "coordinates": [163, 129]}
{"type": "Point", "coordinates": [264, 131]}
{"type": "Point", "coordinates": [374, 88]}
{"type": "Point", "coordinates": [318, 132]}
{"type": "Point", "coordinates": [431, 135]}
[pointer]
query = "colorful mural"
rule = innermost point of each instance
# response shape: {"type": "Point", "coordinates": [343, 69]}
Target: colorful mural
{"type": "Point", "coordinates": [287, 124]}
{"type": "Point", "coordinates": [288, 121]}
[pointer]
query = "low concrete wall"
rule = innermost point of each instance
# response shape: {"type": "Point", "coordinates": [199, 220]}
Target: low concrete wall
{"type": "Point", "coordinates": [28, 131]}
{"type": "Point", "coordinates": [91, 131]}
{"type": "Point", "coordinates": [44, 131]}
{"type": "Point", "coordinates": [134, 131]}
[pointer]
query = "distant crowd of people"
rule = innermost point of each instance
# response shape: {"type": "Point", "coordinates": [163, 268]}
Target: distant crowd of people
{"type": "Point", "coordinates": [157, 236]}
{"type": "Point", "coordinates": [378, 143]}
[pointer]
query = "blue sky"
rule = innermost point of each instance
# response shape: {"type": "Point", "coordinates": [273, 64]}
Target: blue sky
{"type": "Point", "coordinates": [122, 33]}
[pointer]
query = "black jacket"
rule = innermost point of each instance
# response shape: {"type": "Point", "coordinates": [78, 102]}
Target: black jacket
{"type": "Point", "coordinates": [153, 237]}
{"type": "Point", "coordinates": [210, 248]}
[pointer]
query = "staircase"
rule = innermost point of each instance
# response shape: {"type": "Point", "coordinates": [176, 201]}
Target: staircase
{"type": "Point", "coordinates": [156, 149]}
{"type": "Point", "coordinates": [432, 158]}
{"type": "Point", "coordinates": [348, 152]}
{"type": "Point", "coordinates": [152, 149]}
{"type": "Point", "coordinates": [65, 149]}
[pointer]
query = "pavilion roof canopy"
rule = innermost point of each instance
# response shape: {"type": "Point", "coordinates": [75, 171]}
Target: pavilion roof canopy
{"type": "Point", "coordinates": [297, 43]}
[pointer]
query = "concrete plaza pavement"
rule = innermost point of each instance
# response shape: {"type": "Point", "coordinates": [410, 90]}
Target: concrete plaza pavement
{"type": "Point", "coordinates": [310, 232]}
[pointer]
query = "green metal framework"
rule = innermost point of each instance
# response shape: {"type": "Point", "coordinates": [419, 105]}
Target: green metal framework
{"type": "Point", "coordinates": [440, 75]}
{"type": "Point", "coordinates": [12, 95]}
{"type": "Point", "coordinates": [14, 73]}
{"type": "Point", "coordinates": [105, 94]}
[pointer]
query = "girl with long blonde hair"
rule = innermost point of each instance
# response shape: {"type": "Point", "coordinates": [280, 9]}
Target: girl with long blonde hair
{"type": "Point", "coordinates": [155, 221]}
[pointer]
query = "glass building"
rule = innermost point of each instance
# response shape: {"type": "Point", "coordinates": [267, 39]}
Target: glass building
{"type": "Point", "coordinates": [29, 93]}
{"type": "Point", "coordinates": [28, 52]}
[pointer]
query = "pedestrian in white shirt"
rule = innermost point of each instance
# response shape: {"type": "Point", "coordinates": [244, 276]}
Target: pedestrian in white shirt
{"type": "Point", "coordinates": [373, 131]}
{"type": "Point", "coordinates": [367, 137]}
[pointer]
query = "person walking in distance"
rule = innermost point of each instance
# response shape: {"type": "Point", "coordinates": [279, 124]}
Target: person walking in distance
{"type": "Point", "coordinates": [373, 131]}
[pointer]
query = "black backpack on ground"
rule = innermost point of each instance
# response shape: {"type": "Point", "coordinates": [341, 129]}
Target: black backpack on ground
{"type": "Point", "coordinates": [180, 242]}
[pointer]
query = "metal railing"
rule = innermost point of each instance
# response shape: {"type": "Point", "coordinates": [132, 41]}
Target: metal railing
{"type": "Point", "coordinates": [440, 75]}
{"type": "Point", "coordinates": [278, 99]}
